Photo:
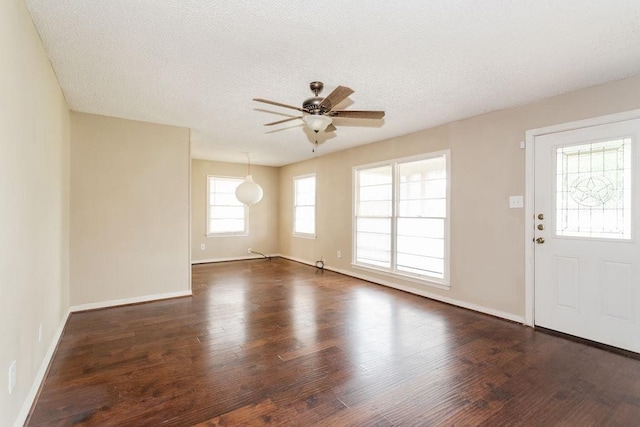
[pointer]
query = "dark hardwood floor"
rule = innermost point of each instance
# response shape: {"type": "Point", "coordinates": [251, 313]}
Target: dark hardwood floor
{"type": "Point", "coordinates": [277, 342]}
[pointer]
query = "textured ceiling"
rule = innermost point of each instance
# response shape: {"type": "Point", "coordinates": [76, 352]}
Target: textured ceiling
{"type": "Point", "coordinates": [199, 63]}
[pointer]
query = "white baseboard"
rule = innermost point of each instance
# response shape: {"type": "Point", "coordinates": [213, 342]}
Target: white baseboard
{"type": "Point", "coordinates": [126, 301]}
{"type": "Point", "coordinates": [427, 294]}
{"type": "Point", "coordinates": [300, 260]}
{"type": "Point", "coordinates": [225, 259]}
{"type": "Point", "coordinates": [40, 375]}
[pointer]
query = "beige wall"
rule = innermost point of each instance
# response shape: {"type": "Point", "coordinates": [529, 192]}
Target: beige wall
{"type": "Point", "coordinates": [34, 205]}
{"type": "Point", "coordinates": [129, 209]}
{"type": "Point", "coordinates": [487, 238]}
{"type": "Point", "coordinates": [263, 216]}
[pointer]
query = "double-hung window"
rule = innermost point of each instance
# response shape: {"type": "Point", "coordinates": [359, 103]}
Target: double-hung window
{"type": "Point", "coordinates": [304, 206]}
{"type": "Point", "coordinates": [226, 215]}
{"type": "Point", "coordinates": [401, 223]}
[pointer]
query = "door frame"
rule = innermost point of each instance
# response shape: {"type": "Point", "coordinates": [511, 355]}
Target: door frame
{"type": "Point", "coordinates": [529, 192]}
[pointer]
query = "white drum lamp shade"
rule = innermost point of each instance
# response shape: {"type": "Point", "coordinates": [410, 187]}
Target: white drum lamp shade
{"type": "Point", "coordinates": [249, 192]}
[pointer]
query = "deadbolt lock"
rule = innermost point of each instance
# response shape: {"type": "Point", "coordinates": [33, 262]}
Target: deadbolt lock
{"type": "Point", "coordinates": [540, 227]}
{"type": "Point", "coordinates": [540, 240]}
{"type": "Point", "coordinates": [540, 216]}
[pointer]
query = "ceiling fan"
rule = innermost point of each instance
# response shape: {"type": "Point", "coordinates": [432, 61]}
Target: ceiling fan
{"type": "Point", "coordinates": [318, 112]}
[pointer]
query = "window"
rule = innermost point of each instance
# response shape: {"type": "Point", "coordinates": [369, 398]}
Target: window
{"type": "Point", "coordinates": [225, 214]}
{"type": "Point", "coordinates": [401, 222]}
{"type": "Point", "coordinates": [304, 206]}
{"type": "Point", "coordinates": [593, 190]}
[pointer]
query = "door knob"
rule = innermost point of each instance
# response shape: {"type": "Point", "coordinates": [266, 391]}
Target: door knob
{"type": "Point", "coordinates": [541, 216]}
{"type": "Point", "coordinates": [540, 227]}
{"type": "Point", "coordinates": [540, 240]}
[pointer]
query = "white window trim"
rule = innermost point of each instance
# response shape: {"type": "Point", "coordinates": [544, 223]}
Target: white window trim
{"type": "Point", "coordinates": [315, 208]}
{"type": "Point", "coordinates": [436, 282]}
{"type": "Point", "coordinates": [208, 208]}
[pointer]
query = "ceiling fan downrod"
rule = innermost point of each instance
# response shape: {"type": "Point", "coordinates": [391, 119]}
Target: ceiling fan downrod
{"type": "Point", "coordinates": [316, 87]}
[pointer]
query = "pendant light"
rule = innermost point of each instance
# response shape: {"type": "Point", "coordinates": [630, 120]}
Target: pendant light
{"type": "Point", "coordinates": [249, 192]}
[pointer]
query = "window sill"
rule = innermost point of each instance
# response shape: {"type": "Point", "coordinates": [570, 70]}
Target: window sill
{"type": "Point", "coordinates": [424, 280]}
{"type": "Point", "coordinates": [227, 235]}
{"type": "Point", "coordinates": [305, 235]}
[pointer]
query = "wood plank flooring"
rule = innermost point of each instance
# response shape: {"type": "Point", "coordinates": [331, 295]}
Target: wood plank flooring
{"type": "Point", "coordinates": [280, 343]}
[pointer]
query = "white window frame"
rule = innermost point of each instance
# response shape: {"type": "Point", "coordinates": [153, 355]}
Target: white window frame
{"type": "Point", "coordinates": [441, 283]}
{"type": "Point", "coordinates": [208, 214]}
{"type": "Point", "coordinates": [315, 209]}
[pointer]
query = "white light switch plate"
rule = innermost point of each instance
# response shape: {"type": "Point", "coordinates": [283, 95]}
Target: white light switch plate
{"type": "Point", "coordinates": [516, 202]}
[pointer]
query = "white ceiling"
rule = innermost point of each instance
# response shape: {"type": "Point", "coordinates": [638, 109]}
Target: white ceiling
{"type": "Point", "coordinates": [199, 63]}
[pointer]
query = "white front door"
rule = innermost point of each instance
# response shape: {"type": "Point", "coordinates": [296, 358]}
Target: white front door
{"type": "Point", "coordinates": [587, 226]}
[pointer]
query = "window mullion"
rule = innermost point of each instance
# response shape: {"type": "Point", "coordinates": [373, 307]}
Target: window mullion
{"type": "Point", "coordinates": [395, 192]}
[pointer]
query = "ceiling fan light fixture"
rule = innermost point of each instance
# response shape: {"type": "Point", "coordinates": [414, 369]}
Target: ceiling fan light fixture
{"type": "Point", "coordinates": [317, 122]}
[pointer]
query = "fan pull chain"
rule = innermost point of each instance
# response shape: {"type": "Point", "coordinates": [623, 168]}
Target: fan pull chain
{"type": "Point", "coordinates": [316, 143]}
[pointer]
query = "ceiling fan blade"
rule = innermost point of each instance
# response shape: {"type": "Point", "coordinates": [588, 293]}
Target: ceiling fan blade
{"type": "Point", "coordinates": [282, 121]}
{"type": "Point", "coordinates": [354, 114]}
{"type": "Point", "coordinates": [338, 95]}
{"type": "Point", "coordinates": [330, 128]}
{"type": "Point", "coordinates": [279, 104]}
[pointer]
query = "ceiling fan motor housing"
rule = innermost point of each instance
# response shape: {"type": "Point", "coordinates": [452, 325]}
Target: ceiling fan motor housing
{"type": "Point", "coordinates": [312, 105]}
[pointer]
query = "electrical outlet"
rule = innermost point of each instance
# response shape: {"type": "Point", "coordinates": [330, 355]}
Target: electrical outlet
{"type": "Point", "coordinates": [202, 246]}
{"type": "Point", "coordinates": [12, 377]}
{"type": "Point", "coordinates": [249, 251]}
{"type": "Point", "coordinates": [339, 254]}
{"type": "Point", "coordinates": [40, 333]}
